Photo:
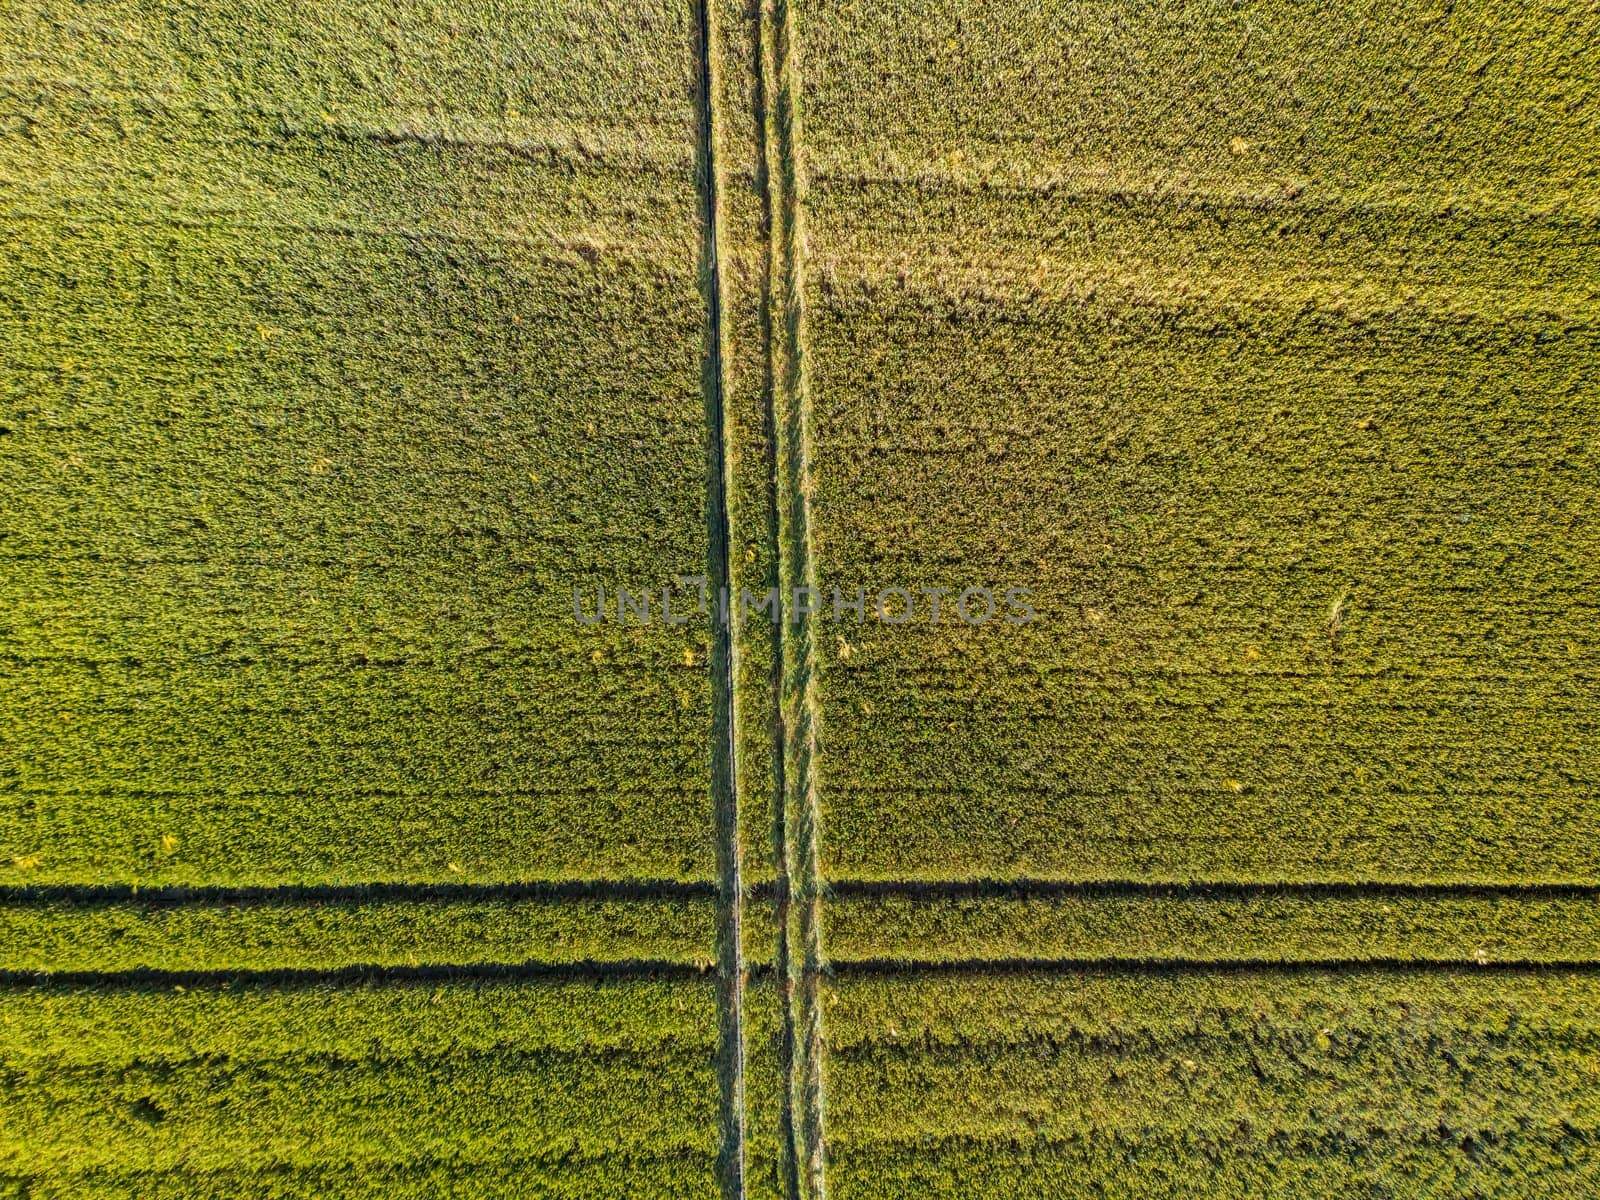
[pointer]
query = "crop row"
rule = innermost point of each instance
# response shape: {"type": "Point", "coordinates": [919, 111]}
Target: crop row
{"type": "Point", "coordinates": [1393, 1082]}
{"type": "Point", "coordinates": [365, 1078]}
{"type": "Point", "coordinates": [875, 924]}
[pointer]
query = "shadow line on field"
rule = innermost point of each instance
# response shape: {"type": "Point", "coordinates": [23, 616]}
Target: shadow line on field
{"type": "Point", "coordinates": [1044, 889]}
{"type": "Point", "coordinates": [152, 981]}
{"type": "Point", "coordinates": [93, 896]}
{"type": "Point", "coordinates": [846, 968]}
{"type": "Point", "coordinates": [142, 979]}
{"type": "Point", "coordinates": [311, 895]}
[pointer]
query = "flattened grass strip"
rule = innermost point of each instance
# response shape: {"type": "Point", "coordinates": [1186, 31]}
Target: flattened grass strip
{"type": "Point", "coordinates": [800, 889]}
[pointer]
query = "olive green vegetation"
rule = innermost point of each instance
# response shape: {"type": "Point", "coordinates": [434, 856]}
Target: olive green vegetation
{"type": "Point", "coordinates": [768, 1162]}
{"type": "Point", "coordinates": [618, 1178]}
{"type": "Point", "coordinates": [1261, 342]}
{"type": "Point", "coordinates": [1214, 1084]}
{"type": "Point", "coordinates": [1272, 925]}
{"type": "Point", "coordinates": [339, 351]}
{"type": "Point", "coordinates": [744, 249]}
{"type": "Point", "coordinates": [556, 1088]}
{"type": "Point", "coordinates": [764, 148]}
{"type": "Point", "coordinates": [463, 928]}
{"type": "Point", "coordinates": [339, 346]}
{"type": "Point", "coordinates": [316, 934]}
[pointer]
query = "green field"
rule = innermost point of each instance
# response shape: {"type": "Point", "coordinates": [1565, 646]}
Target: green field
{"type": "Point", "coordinates": [339, 348]}
{"type": "Point", "coordinates": [399, 1088]}
{"type": "Point", "coordinates": [330, 372]}
{"type": "Point", "coordinates": [1266, 353]}
{"type": "Point", "coordinates": [1201, 1084]}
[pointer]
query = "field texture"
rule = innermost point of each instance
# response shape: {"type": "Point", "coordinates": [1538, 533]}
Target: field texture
{"type": "Point", "coordinates": [1259, 343]}
{"type": "Point", "coordinates": [338, 352]}
{"type": "Point", "coordinates": [1350, 1083]}
{"type": "Point", "coordinates": [382, 1087]}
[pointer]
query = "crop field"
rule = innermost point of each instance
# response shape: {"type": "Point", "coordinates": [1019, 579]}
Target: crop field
{"type": "Point", "coordinates": [312, 396]}
{"type": "Point", "coordinates": [1237, 364]}
{"type": "Point", "coordinates": [1352, 1083]}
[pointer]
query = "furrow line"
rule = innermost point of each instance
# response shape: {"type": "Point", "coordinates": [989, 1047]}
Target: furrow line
{"type": "Point", "coordinates": [1030, 889]}
{"type": "Point", "coordinates": [148, 980]}
{"type": "Point", "coordinates": [290, 895]}
{"type": "Point", "coordinates": [843, 968]}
